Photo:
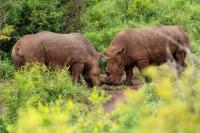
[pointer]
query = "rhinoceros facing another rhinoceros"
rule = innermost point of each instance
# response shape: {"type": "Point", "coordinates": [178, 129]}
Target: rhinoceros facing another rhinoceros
{"type": "Point", "coordinates": [54, 50]}
{"type": "Point", "coordinates": [138, 47]}
{"type": "Point", "coordinates": [141, 47]}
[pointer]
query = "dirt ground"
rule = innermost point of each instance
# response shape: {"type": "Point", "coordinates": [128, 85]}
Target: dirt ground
{"type": "Point", "coordinates": [116, 93]}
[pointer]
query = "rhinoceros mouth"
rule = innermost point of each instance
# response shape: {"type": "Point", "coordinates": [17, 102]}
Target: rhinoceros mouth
{"type": "Point", "coordinates": [110, 81]}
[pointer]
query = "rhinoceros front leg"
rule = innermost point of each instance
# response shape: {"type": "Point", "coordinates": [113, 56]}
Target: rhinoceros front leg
{"type": "Point", "coordinates": [129, 75]}
{"type": "Point", "coordinates": [180, 60]}
{"type": "Point", "coordinates": [76, 69]}
{"type": "Point", "coordinates": [87, 78]}
{"type": "Point", "coordinates": [141, 64]}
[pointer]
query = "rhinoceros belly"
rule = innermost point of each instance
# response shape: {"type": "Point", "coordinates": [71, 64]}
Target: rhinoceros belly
{"type": "Point", "coordinates": [158, 56]}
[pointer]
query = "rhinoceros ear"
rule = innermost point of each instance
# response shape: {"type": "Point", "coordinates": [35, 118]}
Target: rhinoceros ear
{"type": "Point", "coordinates": [119, 51]}
{"type": "Point", "coordinates": [102, 55]}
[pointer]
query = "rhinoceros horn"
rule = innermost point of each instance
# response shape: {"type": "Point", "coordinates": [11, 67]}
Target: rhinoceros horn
{"type": "Point", "coordinates": [102, 55]}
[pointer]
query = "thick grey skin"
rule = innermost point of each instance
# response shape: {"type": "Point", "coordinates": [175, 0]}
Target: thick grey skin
{"type": "Point", "coordinates": [57, 50]}
{"type": "Point", "coordinates": [142, 47]}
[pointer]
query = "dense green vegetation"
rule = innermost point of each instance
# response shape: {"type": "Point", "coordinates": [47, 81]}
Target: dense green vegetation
{"type": "Point", "coordinates": [38, 97]}
{"type": "Point", "coordinates": [168, 103]}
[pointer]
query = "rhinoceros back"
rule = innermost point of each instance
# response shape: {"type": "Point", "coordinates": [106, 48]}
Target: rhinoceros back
{"type": "Point", "coordinates": [151, 42]}
{"type": "Point", "coordinates": [53, 49]}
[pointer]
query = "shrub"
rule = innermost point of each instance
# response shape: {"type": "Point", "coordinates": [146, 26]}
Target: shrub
{"type": "Point", "coordinates": [179, 102]}
{"type": "Point", "coordinates": [6, 70]}
{"type": "Point", "coordinates": [2, 126]}
{"type": "Point", "coordinates": [6, 32]}
{"type": "Point", "coordinates": [61, 118]}
{"type": "Point", "coordinates": [6, 67]}
{"type": "Point", "coordinates": [168, 104]}
{"type": "Point", "coordinates": [32, 86]}
{"type": "Point", "coordinates": [33, 16]}
{"type": "Point", "coordinates": [71, 12]}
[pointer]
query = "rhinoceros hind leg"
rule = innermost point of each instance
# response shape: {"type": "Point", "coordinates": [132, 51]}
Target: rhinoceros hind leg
{"type": "Point", "coordinates": [129, 75]}
{"type": "Point", "coordinates": [76, 69]}
{"type": "Point", "coordinates": [141, 64]}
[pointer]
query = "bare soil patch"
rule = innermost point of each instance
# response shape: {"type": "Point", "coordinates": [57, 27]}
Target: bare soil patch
{"type": "Point", "coordinates": [117, 95]}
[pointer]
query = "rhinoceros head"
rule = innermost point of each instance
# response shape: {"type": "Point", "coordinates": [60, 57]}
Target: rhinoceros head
{"type": "Point", "coordinates": [114, 67]}
{"type": "Point", "coordinates": [92, 74]}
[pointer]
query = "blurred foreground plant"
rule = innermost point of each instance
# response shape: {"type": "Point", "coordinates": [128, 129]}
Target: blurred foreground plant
{"type": "Point", "coordinates": [38, 84]}
{"type": "Point", "coordinates": [62, 117]}
{"type": "Point", "coordinates": [175, 106]}
{"type": "Point", "coordinates": [167, 105]}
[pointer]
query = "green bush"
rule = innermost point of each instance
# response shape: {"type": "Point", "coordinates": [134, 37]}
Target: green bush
{"type": "Point", "coordinates": [2, 127]}
{"type": "Point", "coordinates": [167, 105]}
{"type": "Point", "coordinates": [6, 32]}
{"type": "Point", "coordinates": [6, 67]}
{"type": "Point", "coordinates": [6, 70]}
{"type": "Point", "coordinates": [61, 118]}
{"type": "Point", "coordinates": [71, 12]}
{"type": "Point", "coordinates": [30, 16]}
{"type": "Point", "coordinates": [40, 85]}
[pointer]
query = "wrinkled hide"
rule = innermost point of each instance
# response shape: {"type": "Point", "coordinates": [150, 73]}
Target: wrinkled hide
{"type": "Point", "coordinates": [142, 47]}
{"type": "Point", "coordinates": [58, 50]}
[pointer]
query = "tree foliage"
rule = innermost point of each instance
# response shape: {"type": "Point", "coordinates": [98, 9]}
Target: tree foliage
{"type": "Point", "coordinates": [32, 16]}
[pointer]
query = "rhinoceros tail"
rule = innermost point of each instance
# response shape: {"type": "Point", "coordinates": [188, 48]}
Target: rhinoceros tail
{"type": "Point", "coordinates": [17, 56]}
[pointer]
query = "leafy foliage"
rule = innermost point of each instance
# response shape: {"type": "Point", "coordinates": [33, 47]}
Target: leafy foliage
{"type": "Point", "coordinates": [6, 67]}
{"type": "Point", "coordinates": [2, 127]}
{"type": "Point", "coordinates": [32, 86]}
{"type": "Point", "coordinates": [167, 103]}
{"type": "Point", "coordinates": [6, 32]}
{"type": "Point", "coordinates": [30, 16]}
{"type": "Point", "coordinates": [76, 116]}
